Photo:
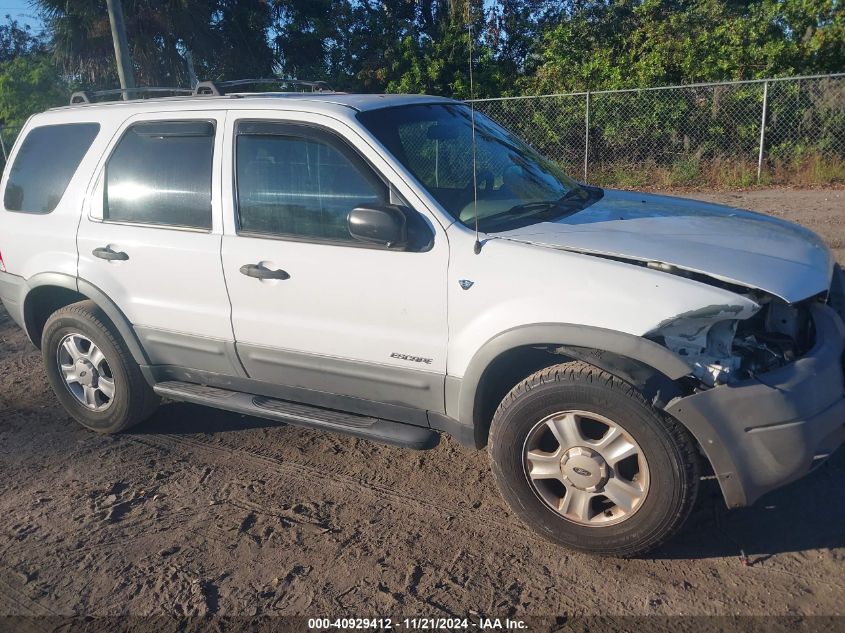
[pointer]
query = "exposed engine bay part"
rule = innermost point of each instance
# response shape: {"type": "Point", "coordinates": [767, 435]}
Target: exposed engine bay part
{"type": "Point", "coordinates": [704, 339]}
{"type": "Point", "coordinates": [726, 343]}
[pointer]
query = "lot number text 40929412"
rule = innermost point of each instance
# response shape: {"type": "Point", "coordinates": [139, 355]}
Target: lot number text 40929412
{"type": "Point", "coordinates": [417, 624]}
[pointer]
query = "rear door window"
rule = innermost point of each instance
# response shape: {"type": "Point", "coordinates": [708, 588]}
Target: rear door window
{"type": "Point", "coordinates": [44, 165]}
{"type": "Point", "coordinates": [160, 174]}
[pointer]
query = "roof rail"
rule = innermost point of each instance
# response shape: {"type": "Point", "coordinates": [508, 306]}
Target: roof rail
{"type": "Point", "coordinates": [84, 96]}
{"type": "Point", "coordinates": [218, 88]}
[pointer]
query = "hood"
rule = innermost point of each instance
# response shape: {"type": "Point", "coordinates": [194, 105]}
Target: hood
{"type": "Point", "coordinates": [736, 246]}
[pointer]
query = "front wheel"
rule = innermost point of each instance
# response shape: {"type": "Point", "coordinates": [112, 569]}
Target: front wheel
{"type": "Point", "coordinates": [583, 458]}
{"type": "Point", "coordinates": [92, 372]}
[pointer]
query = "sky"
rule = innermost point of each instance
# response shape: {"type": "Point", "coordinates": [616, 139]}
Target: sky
{"type": "Point", "coordinates": [21, 11]}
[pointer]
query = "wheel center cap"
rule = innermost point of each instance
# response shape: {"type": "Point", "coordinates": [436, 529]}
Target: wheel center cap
{"type": "Point", "coordinates": [584, 468]}
{"type": "Point", "coordinates": [86, 373]}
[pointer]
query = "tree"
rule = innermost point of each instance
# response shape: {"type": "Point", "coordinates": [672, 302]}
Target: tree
{"type": "Point", "coordinates": [631, 43]}
{"type": "Point", "coordinates": [518, 46]}
{"type": "Point", "coordinates": [17, 40]}
{"type": "Point", "coordinates": [240, 47]}
{"type": "Point", "coordinates": [29, 81]}
{"type": "Point", "coordinates": [29, 84]}
{"type": "Point", "coordinates": [305, 32]}
{"type": "Point", "coordinates": [226, 38]}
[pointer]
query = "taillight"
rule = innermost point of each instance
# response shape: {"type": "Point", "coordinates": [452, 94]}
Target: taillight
{"type": "Point", "coordinates": [2, 263]}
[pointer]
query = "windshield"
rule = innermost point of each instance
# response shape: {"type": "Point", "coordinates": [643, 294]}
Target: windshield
{"type": "Point", "coordinates": [516, 185]}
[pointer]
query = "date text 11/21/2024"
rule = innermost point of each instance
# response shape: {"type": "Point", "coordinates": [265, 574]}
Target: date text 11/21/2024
{"type": "Point", "coordinates": [417, 624]}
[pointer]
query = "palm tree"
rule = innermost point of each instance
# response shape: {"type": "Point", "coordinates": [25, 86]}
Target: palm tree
{"type": "Point", "coordinates": [218, 34]}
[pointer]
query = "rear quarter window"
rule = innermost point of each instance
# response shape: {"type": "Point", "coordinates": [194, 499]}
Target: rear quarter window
{"type": "Point", "coordinates": [45, 163]}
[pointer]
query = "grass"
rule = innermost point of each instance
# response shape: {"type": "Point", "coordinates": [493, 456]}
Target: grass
{"type": "Point", "coordinates": [805, 170]}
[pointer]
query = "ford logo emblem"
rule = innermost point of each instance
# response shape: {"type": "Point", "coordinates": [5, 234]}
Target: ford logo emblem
{"type": "Point", "coordinates": [582, 471]}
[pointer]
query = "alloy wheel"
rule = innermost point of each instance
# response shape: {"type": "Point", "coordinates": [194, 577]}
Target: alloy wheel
{"type": "Point", "coordinates": [586, 468]}
{"type": "Point", "coordinates": [86, 372]}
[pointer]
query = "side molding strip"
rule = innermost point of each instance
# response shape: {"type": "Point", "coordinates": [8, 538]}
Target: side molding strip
{"type": "Point", "coordinates": [164, 347]}
{"type": "Point", "coordinates": [369, 381]}
{"type": "Point", "coordinates": [398, 413]}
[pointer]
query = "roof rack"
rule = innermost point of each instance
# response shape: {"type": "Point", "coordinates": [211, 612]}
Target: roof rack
{"type": "Point", "coordinates": [84, 96]}
{"type": "Point", "coordinates": [218, 88]}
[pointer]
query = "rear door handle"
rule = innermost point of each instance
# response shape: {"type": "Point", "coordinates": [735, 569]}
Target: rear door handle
{"type": "Point", "coordinates": [107, 253]}
{"type": "Point", "coordinates": [260, 272]}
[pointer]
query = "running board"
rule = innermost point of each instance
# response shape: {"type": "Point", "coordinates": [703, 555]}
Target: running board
{"type": "Point", "coordinates": [375, 429]}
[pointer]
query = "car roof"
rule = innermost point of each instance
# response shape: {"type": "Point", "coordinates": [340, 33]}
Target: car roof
{"type": "Point", "coordinates": [326, 102]}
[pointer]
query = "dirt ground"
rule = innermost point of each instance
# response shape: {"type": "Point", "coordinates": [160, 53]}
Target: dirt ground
{"type": "Point", "coordinates": [200, 512]}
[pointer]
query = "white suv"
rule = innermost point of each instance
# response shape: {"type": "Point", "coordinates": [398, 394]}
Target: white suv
{"type": "Point", "coordinates": [313, 258]}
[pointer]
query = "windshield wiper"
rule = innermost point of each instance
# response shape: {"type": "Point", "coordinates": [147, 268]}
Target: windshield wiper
{"type": "Point", "coordinates": [543, 206]}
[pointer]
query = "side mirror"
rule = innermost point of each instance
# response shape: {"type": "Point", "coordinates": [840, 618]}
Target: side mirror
{"type": "Point", "coordinates": [383, 224]}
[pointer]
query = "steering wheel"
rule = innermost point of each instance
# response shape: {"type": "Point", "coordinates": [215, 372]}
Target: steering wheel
{"type": "Point", "coordinates": [486, 177]}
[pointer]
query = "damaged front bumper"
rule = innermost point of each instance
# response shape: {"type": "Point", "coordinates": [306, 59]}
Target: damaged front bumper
{"type": "Point", "coordinates": [764, 432]}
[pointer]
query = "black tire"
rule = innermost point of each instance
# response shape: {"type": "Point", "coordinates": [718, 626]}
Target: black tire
{"type": "Point", "coordinates": [670, 452]}
{"type": "Point", "coordinates": [133, 400]}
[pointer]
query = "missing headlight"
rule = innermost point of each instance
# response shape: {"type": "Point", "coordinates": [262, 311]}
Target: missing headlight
{"type": "Point", "coordinates": [704, 339]}
{"type": "Point", "coordinates": [723, 344]}
{"type": "Point", "coordinates": [777, 335]}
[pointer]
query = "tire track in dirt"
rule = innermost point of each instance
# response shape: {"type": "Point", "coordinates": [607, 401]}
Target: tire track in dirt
{"type": "Point", "coordinates": [136, 527]}
{"type": "Point", "coordinates": [494, 529]}
{"type": "Point", "coordinates": [308, 475]}
{"type": "Point", "coordinates": [9, 595]}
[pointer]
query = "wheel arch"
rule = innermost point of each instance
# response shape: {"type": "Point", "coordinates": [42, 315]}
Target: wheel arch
{"type": "Point", "coordinates": [49, 292]}
{"type": "Point", "coordinates": [515, 354]}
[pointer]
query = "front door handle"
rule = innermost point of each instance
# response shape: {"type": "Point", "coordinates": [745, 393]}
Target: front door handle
{"type": "Point", "coordinates": [107, 253]}
{"type": "Point", "coordinates": [260, 272]}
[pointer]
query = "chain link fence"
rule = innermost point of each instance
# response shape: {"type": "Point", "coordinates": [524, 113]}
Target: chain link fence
{"type": "Point", "coordinates": [770, 131]}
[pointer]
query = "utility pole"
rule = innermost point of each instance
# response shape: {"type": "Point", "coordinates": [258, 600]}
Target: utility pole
{"type": "Point", "coordinates": [192, 74]}
{"type": "Point", "coordinates": [121, 47]}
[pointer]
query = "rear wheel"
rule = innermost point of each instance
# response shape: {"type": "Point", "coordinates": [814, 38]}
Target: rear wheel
{"type": "Point", "coordinates": [583, 458]}
{"type": "Point", "coordinates": [92, 372]}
